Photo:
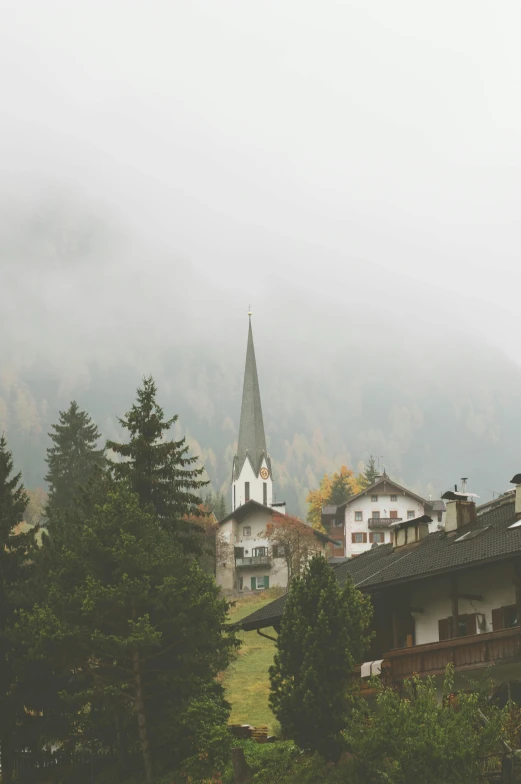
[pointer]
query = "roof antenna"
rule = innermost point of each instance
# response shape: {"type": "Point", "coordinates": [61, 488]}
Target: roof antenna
{"type": "Point", "coordinates": [249, 311]}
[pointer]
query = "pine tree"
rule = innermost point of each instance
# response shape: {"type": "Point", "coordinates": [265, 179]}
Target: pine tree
{"type": "Point", "coordinates": [73, 457]}
{"type": "Point", "coordinates": [370, 473]}
{"type": "Point", "coordinates": [322, 636]}
{"type": "Point", "coordinates": [15, 547]}
{"type": "Point", "coordinates": [341, 486]}
{"type": "Point", "coordinates": [216, 504]}
{"type": "Point", "coordinates": [144, 632]}
{"type": "Point", "coordinates": [160, 472]}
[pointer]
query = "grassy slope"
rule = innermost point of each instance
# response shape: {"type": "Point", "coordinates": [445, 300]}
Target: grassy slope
{"type": "Point", "coordinates": [246, 681]}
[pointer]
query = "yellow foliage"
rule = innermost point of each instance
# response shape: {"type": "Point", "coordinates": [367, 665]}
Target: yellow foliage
{"type": "Point", "coordinates": [330, 484]}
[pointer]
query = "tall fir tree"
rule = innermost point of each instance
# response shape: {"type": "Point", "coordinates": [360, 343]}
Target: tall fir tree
{"type": "Point", "coordinates": [73, 458]}
{"type": "Point", "coordinates": [15, 551]}
{"type": "Point", "coordinates": [323, 634]}
{"type": "Point", "coordinates": [144, 632]}
{"type": "Point", "coordinates": [369, 474]}
{"type": "Point", "coordinates": [162, 473]}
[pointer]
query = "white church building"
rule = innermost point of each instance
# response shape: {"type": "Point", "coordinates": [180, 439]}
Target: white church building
{"type": "Point", "coordinates": [245, 560]}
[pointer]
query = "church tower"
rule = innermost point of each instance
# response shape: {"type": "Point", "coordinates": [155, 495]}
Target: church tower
{"type": "Point", "coordinates": [251, 479]}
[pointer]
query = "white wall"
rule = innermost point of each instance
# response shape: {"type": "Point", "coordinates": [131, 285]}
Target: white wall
{"type": "Point", "coordinates": [256, 486]}
{"type": "Point", "coordinates": [233, 534]}
{"type": "Point", "coordinates": [403, 504]}
{"type": "Point", "coordinates": [494, 583]}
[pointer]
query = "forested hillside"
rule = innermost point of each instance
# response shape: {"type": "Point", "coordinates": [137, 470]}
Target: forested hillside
{"type": "Point", "coordinates": [88, 310]}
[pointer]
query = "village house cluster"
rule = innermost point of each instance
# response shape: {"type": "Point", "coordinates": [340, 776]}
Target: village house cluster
{"type": "Point", "coordinates": [444, 575]}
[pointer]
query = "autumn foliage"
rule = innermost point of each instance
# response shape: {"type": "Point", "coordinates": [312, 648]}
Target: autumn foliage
{"type": "Point", "coordinates": [295, 540]}
{"type": "Point", "coordinates": [333, 489]}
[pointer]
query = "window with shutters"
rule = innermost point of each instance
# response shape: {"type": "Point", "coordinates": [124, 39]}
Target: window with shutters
{"type": "Point", "coordinates": [378, 537]}
{"type": "Point", "coordinates": [358, 538]}
{"type": "Point", "coordinates": [466, 626]}
{"type": "Point", "coordinates": [393, 514]}
{"type": "Point", "coordinates": [504, 618]}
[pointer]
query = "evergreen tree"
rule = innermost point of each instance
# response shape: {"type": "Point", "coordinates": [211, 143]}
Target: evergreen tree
{"type": "Point", "coordinates": [161, 473]}
{"type": "Point", "coordinates": [216, 504]}
{"type": "Point", "coordinates": [144, 632]}
{"type": "Point", "coordinates": [370, 473]}
{"type": "Point", "coordinates": [341, 487]}
{"type": "Point", "coordinates": [221, 509]}
{"type": "Point", "coordinates": [15, 547]}
{"type": "Point", "coordinates": [322, 636]}
{"type": "Point", "coordinates": [73, 457]}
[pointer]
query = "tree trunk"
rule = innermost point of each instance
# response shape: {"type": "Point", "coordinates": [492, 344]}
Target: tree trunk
{"type": "Point", "coordinates": [142, 718]}
{"type": "Point", "coordinates": [241, 769]}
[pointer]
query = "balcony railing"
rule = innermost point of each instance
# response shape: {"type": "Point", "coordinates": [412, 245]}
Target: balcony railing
{"type": "Point", "coordinates": [255, 560]}
{"type": "Point", "coordinates": [466, 653]}
{"type": "Point", "coordinates": [383, 522]}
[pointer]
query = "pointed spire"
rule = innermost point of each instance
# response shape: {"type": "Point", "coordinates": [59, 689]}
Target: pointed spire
{"type": "Point", "coordinates": [252, 440]}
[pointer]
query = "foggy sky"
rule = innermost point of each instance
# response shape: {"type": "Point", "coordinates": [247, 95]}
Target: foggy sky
{"type": "Point", "coordinates": [312, 143]}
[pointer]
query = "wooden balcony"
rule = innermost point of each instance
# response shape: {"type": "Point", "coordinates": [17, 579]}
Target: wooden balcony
{"type": "Point", "coordinates": [382, 522]}
{"type": "Point", "coordinates": [466, 653]}
{"type": "Point", "coordinates": [255, 560]}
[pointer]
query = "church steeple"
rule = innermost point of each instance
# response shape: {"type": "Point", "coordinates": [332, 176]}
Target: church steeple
{"type": "Point", "coordinates": [251, 464]}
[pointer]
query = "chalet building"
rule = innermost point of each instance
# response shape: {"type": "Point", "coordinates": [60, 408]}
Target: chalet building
{"type": "Point", "coordinates": [453, 595]}
{"type": "Point", "coordinates": [244, 558]}
{"type": "Point", "coordinates": [369, 517]}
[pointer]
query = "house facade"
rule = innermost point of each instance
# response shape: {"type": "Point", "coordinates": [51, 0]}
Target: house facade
{"type": "Point", "coordinates": [369, 516]}
{"type": "Point", "coordinates": [453, 595]}
{"type": "Point", "coordinates": [246, 559]}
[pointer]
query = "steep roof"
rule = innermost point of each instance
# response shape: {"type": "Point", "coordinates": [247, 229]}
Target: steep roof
{"type": "Point", "coordinates": [439, 553]}
{"type": "Point", "coordinates": [252, 439]}
{"type": "Point", "coordinates": [388, 485]}
{"type": "Point", "coordinates": [245, 510]}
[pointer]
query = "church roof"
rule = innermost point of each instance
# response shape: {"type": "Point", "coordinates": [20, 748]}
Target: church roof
{"type": "Point", "coordinates": [252, 440]}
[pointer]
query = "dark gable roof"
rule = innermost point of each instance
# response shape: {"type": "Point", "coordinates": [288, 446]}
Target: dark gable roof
{"type": "Point", "coordinates": [438, 506]}
{"type": "Point", "coordinates": [438, 553]}
{"type": "Point", "coordinates": [243, 512]}
{"type": "Point", "coordinates": [390, 485]}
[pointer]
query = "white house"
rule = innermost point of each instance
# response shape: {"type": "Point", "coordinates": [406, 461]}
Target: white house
{"type": "Point", "coordinates": [368, 517]}
{"type": "Point", "coordinates": [246, 560]}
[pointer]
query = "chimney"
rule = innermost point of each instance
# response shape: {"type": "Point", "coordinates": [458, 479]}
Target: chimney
{"type": "Point", "coordinates": [410, 531]}
{"type": "Point", "coordinates": [517, 482]}
{"type": "Point", "coordinates": [460, 511]}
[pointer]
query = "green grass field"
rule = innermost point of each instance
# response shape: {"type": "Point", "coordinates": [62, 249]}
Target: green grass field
{"type": "Point", "coordinates": [246, 680]}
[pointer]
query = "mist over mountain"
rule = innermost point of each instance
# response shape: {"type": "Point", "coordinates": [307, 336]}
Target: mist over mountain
{"type": "Point", "coordinates": [370, 362]}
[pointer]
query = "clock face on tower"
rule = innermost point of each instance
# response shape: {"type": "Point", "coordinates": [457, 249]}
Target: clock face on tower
{"type": "Point", "coordinates": [264, 473]}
